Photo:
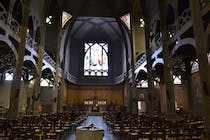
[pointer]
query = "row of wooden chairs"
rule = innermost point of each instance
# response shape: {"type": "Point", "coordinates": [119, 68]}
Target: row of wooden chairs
{"type": "Point", "coordinates": [46, 126]}
{"type": "Point", "coordinates": [134, 126]}
{"type": "Point", "coordinates": [3, 111]}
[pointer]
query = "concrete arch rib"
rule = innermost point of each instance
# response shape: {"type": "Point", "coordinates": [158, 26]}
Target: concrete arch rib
{"type": "Point", "coordinates": [182, 42]}
{"type": "Point", "coordinates": [137, 73]}
{"type": "Point", "coordinates": [51, 69]}
{"type": "Point", "coordinates": [29, 58]}
{"type": "Point", "coordinates": [142, 67]}
{"type": "Point", "coordinates": [158, 61]}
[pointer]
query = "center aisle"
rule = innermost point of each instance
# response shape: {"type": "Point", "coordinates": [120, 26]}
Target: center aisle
{"type": "Point", "coordinates": [97, 121]}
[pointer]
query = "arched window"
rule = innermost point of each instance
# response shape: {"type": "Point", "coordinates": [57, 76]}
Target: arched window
{"type": "Point", "coordinates": [9, 76]}
{"type": "Point", "coordinates": [46, 83]}
{"type": "Point", "coordinates": [31, 79]}
{"type": "Point", "coordinates": [177, 79]}
{"type": "Point", "coordinates": [142, 84]}
{"type": "Point", "coordinates": [96, 59]}
{"type": "Point", "coordinates": [195, 66]}
{"type": "Point", "coordinates": [65, 18]}
{"type": "Point", "coordinates": [126, 20]}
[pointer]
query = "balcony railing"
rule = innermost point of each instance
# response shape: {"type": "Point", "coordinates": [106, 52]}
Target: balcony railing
{"type": "Point", "coordinates": [13, 25]}
{"type": "Point", "coordinates": [16, 27]}
{"type": "Point", "coordinates": [34, 45]}
{"type": "Point", "coordinates": [140, 61]}
{"type": "Point", "coordinates": [185, 17]}
{"type": "Point", "coordinates": [49, 59]}
{"type": "Point", "coordinates": [157, 44]}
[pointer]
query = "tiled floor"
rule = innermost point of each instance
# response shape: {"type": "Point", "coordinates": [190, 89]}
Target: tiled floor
{"type": "Point", "coordinates": [97, 121]}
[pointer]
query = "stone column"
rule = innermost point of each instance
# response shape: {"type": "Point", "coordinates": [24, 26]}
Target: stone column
{"type": "Point", "coordinates": [163, 99]}
{"type": "Point", "coordinates": [16, 83]}
{"type": "Point", "coordinates": [151, 103]}
{"type": "Point", "coordinates": [57, 103]}
{"type": "Point", "coordinates": [37, 88]}
{"type": "Point", "coordinates": [56, 84]}
{"type": "Point", "coordinates": [41, 46]}
{"type": "Point", "coordinates": [134, 99]}
{"type": "Point", "coordinates": [63, 83]}
{"type": "Point", "coordinates": [204, 68]}
{"type": "Point", "coordinates": [127, 95]}
{"type": "Point", "coordinates": [167, 77]}
{"type": "Point", "coordinates": [63, 89]}
{"type": "Point", "coordinates": [133, 92]}
{"type": "Point", "coordinates": [59, 89]}
{"type": "Point", "coordinates": [188, 84]}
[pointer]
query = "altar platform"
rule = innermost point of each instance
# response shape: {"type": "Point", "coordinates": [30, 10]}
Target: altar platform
{"type": "Point", "coordinates": [90, 132]}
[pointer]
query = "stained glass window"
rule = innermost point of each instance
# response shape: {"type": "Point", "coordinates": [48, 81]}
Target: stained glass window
{"type": "Point", "coordinates": [65, 17]}
{"type": "Point", "coordinates": [126, 20]}
{"type": "Point", "coordinates": [96, 59]}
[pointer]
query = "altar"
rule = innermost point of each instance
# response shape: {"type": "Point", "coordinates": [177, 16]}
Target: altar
{"type": "Point", "coordinates": [89, 133]}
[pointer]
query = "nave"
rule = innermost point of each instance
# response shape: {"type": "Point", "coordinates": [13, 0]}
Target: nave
{"type": "Point", "coordinates": [116, 126]}
{"type": "Point", "coordinates": [99, 122]}
{"type": "Point", "coordinates": [138, 56]}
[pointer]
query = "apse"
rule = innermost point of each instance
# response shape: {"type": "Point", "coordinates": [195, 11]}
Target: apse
{"type": "Point", "coordinates": [94, 50]}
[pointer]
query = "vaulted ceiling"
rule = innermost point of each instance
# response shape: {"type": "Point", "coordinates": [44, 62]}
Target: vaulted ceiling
{"type": "Point", "coordinates": [98, 8]}
{"type": "Point", "coordinates": [96, 28]}
{"type": "Point", "coordinates": [95, 19]}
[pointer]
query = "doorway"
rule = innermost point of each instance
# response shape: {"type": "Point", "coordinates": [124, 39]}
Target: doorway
{"type": "Point", "coordinates": [141, 107]}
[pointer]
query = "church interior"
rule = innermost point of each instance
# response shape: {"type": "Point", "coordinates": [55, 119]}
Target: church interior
{"type": "Point", "coordinates": [140, 69]}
